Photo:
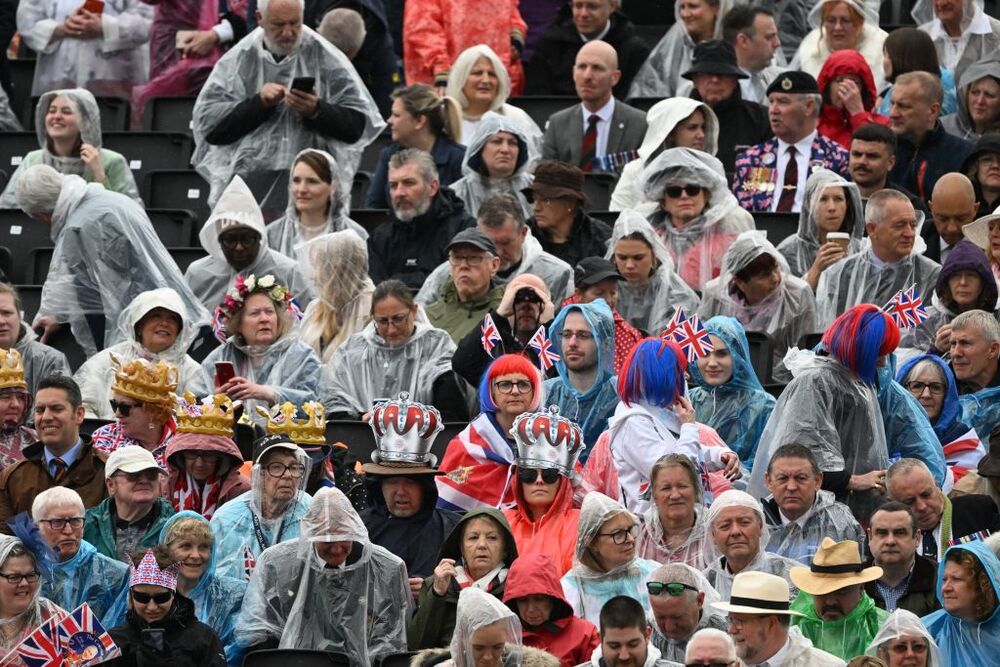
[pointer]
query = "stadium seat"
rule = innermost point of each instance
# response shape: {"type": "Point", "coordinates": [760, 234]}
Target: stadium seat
{"type": "Point", "coordinates": [177, 188]}
{"type": "Point", "coordinates": [5, 263]}
{"type": "Point", "coordinates": [774, 389]}
{"type": "Point", "coordinates": [295, 657]}
{"type": "Point", "coordinates": [3, 179]}
{"type": "Point", "coordinates": [168, 114]}
{"type": "Point", "coordinates": [39, 260]}
{"type": "Point", "coordinates": [184, 256]}
{"type": "Point", "coordinates": [175, 226]}
{"type": "Point", "coordinates": [31, 297]}
{"type": "Point", "coordinates": [91, 424]}
{"type": "Point", "coordinates": [115, 114]}
{"type": "Point", "coordinates": [22, 73]}
{"type": "Point", "coordinates": [369, 157]}
{"type": "Point", "coordinates": [359, 188]}
{"type": "Point", "coordinates": [151, 151]}
{"type": "Point", "coordinates": [540, 107]}
{"type": "Point", "coordinates": [358, 437]}
{"type": "Point", "coordinates": [605, 216]}
{"type": "Point", "coordinates": [21, 235]}
{"type": "Point", "coordinates": [396, 659]}
{"type": "Point", "coordinates": [65, 342]}
{"type": "Point", "coordinates": [809, 341]}
{"type": "Point", "coordinates": [642, 103]}
{"type": "Point", "coordinates": [598, 188]}
{"type": "Point", "coordinates": [761, 355]}
{"type": "Point", "coordinates": [13, 147]}
{"type": "Point", "coordinates": [370, 218]}
{"type": "Point", "coordinates": [778, 226]}
{"type": "Point", "coordinates": [652, 34]}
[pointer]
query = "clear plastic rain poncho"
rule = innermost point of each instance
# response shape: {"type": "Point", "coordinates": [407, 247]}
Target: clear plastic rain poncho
{"type": "Point", "coordinates": [960, 123]}
{"type": "Point", "coordinates": [692, 551]}
{"type": "Point", "coordinates": [963, 643]}
{"type": "Point", "coordinates": [475, 187]}
{"type": "Point", "coordinates": [106, 254]}
{"type": "Point", "coordinates": [337, 266]}
{"type": "Point", "coordinates": [672, 649]}
{"type": "Point", "coordinates": [814, 49]}
{"type": "Point", "coordinates": [97, 374]}
{"type": "Point", "coordinates": [661, 120]}
{"type": "Point", "coordinates": [217, 598]}
{"type": "Point", "coordinates": [827, 408]}
{"type": "Point", "coordinates": [211, 276]}
{"type": "Point", "coordinates": [800, 249]}
{"type": "Point", "coordinates": [285, 233]}
{"type": "Point", "coordinates": [737, 409]}
{"type": "Point", "coordinates": [38, 611]}
{"type": "Point", "coordinates": [8, 119]}
{"type": "Point", "coordinates": [587, 586]}
{"type": "Point", "coordinates": [236, 523]}
{"type": "Point", "coordinates": [93, 578]}
{"type": "Point", "coordinates": [358, 608]}
{"type": "Point", "coordinates": [980, 35]}
{"type": "Point", "coordinates": [649, 306]}
{"type": "Point", "coordinates": [110, 65]}
{"type": "Point", "coordinates": [366, 368]}
{"type": "Point", "coordinates": [717, 572]}
{"type": "Point", "coordinates": [660, 76]}
{"type": "Point", "coordinates": [800, 539]}
{"type": "Point", "coordinates": [477, 609]}
{"type": "Point", "coordinates": [786, 314]}
{"type": "Point", "coordinates": [118, 176]}
{"type": "Point", "coordinates": [265, 155]}
{"type": "Point", "coordinates": [904, 623]}
{"type": "Point", "coordinates": [697, 247]}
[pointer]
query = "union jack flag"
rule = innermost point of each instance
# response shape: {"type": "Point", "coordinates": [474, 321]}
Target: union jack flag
{"type": "Point", "coordinates": [490, 335]}
{"type": "Point", "coordinates": [674, 324]}
{"type": "Point", "coordinates": [541, 344]}
{"type": "Point", "coordinates": [83, 639]}
{"type": "Point", "coordinates": [39, 649]}
{"type": "Point", "coordinates": [693, 338]}
{"type": "Point", "coordinates": [906, 308]}
{"type": "Point", "coordinates": [249, 562]}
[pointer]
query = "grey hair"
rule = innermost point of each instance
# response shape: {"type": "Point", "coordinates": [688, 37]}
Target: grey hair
{"type": "Point", "coordinates": [57, 496]}
{"type": "Point", "coordinates": [816, 99]}
{"type": "Point", "coordinates": [987, 324]}
{"type": "Point", "coordinates": [930, 85]}
{"type": "Point", "coordinates": [675, 572]}
{"type": "Point", "coordinates": [38, 189]}
{"type": "Point", "coordinates": [498, 208]}
{"type": "Point", "coordinates": [924, 365]}
{"type": "Point", "coordinates": [713, 634]}
{"type": "Point", "coordinates": [904, 467]}
{"type": "Point", "coordinates": [423, 160]}
{"type": "Point", "coordinates": [460, 73]}
{"type": "Point", "coordinates": [875, 210]}
{"type": "Point", "coordinates": [264, 5]}
{"type": "Point", "coordinates": [345, 29]}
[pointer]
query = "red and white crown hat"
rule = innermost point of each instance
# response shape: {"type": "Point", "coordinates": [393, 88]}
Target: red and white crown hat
{"type": "Point", "coordinates": [149, 572]}
{"type": "Point", "coordinates": [404, 432]}
{"type": "Point", "coordinates": [547, 440]}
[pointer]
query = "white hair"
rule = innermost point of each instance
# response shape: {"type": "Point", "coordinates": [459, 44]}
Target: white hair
{"type": "Point", "coordinates": [57, 496]}
{"type": "Point", "coordinates": [986, 323]}
{"type": "Point", "coordinates": [263, 5]}
{"type": "Point", "coordinates": [875, 208]}
{"type": "Point", "coordinates": [38, 189]}
{"type": "Point", "coordinates": [711, 634]}
{"type": "Point", "coordinates": [460, 73]}
{"type": "Point", "coordinates": [345, 29]}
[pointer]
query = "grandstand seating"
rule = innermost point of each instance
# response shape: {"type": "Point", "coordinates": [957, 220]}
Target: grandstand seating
{"type": "Point", "coordinates": [184, 256]}
{"type": "Point", "coordinates": [778, 226]}
{"type": "Point", "coordinates": [358, 437]}
{"type": "Point", "coordinates": [14, 147]}
{"type": "Point", "coordinates": [177, 188]}
{"type": "Point", "coordinates": [598, 187]}
{"type": "Point", "coordinates": [168, 114]}
{"type": "Point", "coordinates": [151, 151]}
{"type": "Point", "coordinates": [175, 227]}
{"type": "Point", "coordinates": [540, 107]}
{"type": "Point", "coordinates": [761, 355]}
{"type": "Point", "coordinates": [369, 156]}
{"type": "Point", "coordinates": [359, 188]}
{"type": "Point", "coordinates": [370, 218]}
{"type": "Point", "coordinates": [21, 234]}
{"type": "Point", "coordinates": [295, 657]}
{"type": "Point", "coordinates": [22, 72]}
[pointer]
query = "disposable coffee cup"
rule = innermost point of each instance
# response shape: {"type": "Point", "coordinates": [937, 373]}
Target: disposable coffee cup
{"type": "Point", "coordinates": [840, 238]}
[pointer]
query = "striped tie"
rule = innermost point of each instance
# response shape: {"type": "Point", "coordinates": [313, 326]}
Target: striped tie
{"type": "Point", "coordinates": [588, 149]}
{"type": "Point", "coordinates": [787, 200]}
{"type": "Point", "coordinates": [58, 467]}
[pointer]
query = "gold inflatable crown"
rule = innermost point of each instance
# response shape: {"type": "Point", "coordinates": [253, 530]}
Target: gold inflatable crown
{"type": "Point", "coordinates": [11, 370]}
{"type": "Point", "coordinates": [146, 382]}
{"type": "Point", "coordinates": [213, 416]}
{"type": "Point", "coordinates": [309, 432]}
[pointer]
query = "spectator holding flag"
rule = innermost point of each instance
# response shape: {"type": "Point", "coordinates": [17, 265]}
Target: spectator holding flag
{"type": "Point", "coordinates": [22, 609]}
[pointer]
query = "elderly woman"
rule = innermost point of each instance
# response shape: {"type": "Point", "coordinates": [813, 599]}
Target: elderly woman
{"type": "Point", "coordinates": [217, 598]}
{"type": "Point", "coordinates": [266, 514]}
{"type": "Point", "coordinates": [830, 204]}
{"type": "Point", "coordinates": [672, 530]}
{"type": "Point", "coordinates": [605, 563]}
{"type": "Point", "coordinates": [985, 233]}
{"type": "Point", "coordinates": [496, 161]}
{"type": "Point", "coordinates": [15, 409]}
{"type": "Point", "coordinates": [729, 396]}
{"type": "Point", "coordinates": [267, 362]}
{"type": "Point", "coordinates": [694, 21]}
{"type": "Point", "coordinates": [670, 123]}
{"type": "Point", "coordinates": [315, 206]}
{"type": "Point", "coordinates": [398, 350]}
{"type": "Point", "coordinates": [839, 25]}
{"type": "Point", "coordinates": [421, 119]}
{"type": "Point", "coordinates": [903, 640]}
{"type": "Point", "coordinates": [68, 126]}
{"type": "Point", "coordinates": [478, 553]}
{"type": "Point", "coordinates": [22, 610]}
{"type": "Point", "coordinates": [480, 83]}
{"type": "Point", "coordinates": [962, 32]}
{"type": "Point", "coordinates": [482, 456]}
{"type": "Point", "coordinates": [978, 101]}
{"type": "Point", "coordinates": [651, 290]}
{"type": "Point", "coordinates": [849, 96]}
{"type": "Point", "coordinates": [156, 326]}
{"type": "Point", "coordinates": [911, 49]}
{"type": "Point", "coordinates": [755, 287]}
{"type": "Point", "coordinates": [81, 574]}
{"type": "Point", "coordinates": [697, 215]}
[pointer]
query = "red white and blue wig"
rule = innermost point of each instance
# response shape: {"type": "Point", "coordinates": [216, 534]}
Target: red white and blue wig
{"type": "Point", "coordinates": [508, 364]}
{"type": "Point", "coordinates": [859, 337]}
{"type": "Point", "coordinates": [653, 373]}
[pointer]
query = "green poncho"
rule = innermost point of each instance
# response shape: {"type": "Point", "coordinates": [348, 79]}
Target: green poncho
{"type": "Point", "coordinates": [846, 637]}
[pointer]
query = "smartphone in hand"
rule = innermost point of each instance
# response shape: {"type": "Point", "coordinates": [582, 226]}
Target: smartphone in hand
{"type": "Point", "coordinates": [224, 372]}
{"type": "Point", "coordinates": [94, 6]}
{"type": "Point", "coordinates": [305, 84]}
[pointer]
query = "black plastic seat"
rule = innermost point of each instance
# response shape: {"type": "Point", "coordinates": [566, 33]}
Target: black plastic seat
{"type": "Point", "coordinates": [168, 114]}
{"type": "Point", "coordinates": [184, 256]}
{"type": "Point", "coordinates": [146, 152]}
{"type": "Point", "coordinates": [540, 107]}
{"type": "Point", "coordinates": [13, 147]}
{"type": "Point", "coordinates": [22, 74]}
{"type": "Point", "coordinates": [38, 262]}
{"type": "Point", "coordinates": [358, 437]}
{"type": "Point", "coordinates": [174, 226]}
{"type": "Point", "coordinates": [177, 188]}
{"type": "Point", "coordinates": [369, 157]}
{"type": "Point", "coordinates": [778, 226]}
{"type": "Point", "coordinates": [115, 113]}
{"type": "Point", "coordinates": [761, 355]}
{"type": "Point", "coordinates": [295, 657]}
{"type": "Point", "coordinates": [359, 189]}
{"type": "Point", "coordinates": [31, 297]}
{"type": "Point", "coordinates": [22, 234]}
{"type": "Point", "coordinates": [370, 218]}
{"type": "Point", "coordinates": [598, 188]}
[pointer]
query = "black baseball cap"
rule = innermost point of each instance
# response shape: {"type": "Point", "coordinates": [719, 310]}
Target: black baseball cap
{"type": "Point", "coordinates": [592, 270]}
{"type": "Point", "coordinates": [475, 237]}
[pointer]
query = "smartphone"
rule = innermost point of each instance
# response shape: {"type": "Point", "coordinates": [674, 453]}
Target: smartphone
{"type": "Point", "coordinates": [224, 372]}
{"type": "Point", "coordinates": [182, 38]}
{"type": "Point", "coordinates": [304, 83]}
{"type": "Point", "coordinates": [153, 638]}
{"type": "Point", "coordinates": [94, 6]}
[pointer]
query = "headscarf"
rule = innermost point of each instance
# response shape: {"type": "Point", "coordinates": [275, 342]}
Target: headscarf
{"type": "Point", "coordinates": [904, 623]}
{"type": "Point", "coordinates": [948, 426]}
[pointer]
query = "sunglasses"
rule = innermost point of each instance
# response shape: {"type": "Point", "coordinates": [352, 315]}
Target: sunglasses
{"type": "Point", "coordinates": [529, 475]}
{"type": "Point", "coordinates": [158, 598]}
{"type": "Point", "coordinates": [124, 408]}
{"type": "Point", "coordinates": [674, 191]}
{"type": "Point", "coordinates": [672, 588]}
{"type": "Point", "coordinates": [229, 242]}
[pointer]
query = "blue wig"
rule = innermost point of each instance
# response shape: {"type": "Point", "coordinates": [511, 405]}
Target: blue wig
{"type": "Point", "coordinates": [653, 373]}
{"type": "Point", "coordinates": [859, 337]}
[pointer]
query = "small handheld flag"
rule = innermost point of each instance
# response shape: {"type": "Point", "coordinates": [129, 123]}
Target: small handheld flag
{"type": "Point", "coordinates": [542, 346]}
{"type": "Point", "coordinates": [490, 334]}
{"type": "Point", "coordinates": [906, 308]}
{"type": "Point", "coordinates": [693, 338]}
{"type": "Point", "coordinates": [39, 649]}
{"type": "Point", "coordinates": [83, 639]}
{"type": "Point", "coordinates": [673, 324]}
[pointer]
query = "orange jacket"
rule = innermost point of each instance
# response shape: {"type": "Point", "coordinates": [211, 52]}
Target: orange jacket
{"type": "Point", "coordinates": [554, 534]}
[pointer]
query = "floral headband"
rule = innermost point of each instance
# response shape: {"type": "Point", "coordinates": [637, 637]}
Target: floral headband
{"type": "Point", "coordinates": [237, 295]}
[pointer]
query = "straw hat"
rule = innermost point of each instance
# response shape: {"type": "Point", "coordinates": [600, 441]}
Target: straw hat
{"type": "Point", "coordinates": [835, 565]}
{"type": "Point", "coordinates": [757, 593]}
{"type": "Point", "coordinates": [978, 231]}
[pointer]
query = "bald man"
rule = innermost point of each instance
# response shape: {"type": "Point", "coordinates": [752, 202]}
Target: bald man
{"type": "Point", "coordinates": [616, 127]}
{"type": "Point", "coordinates": [953, 204]}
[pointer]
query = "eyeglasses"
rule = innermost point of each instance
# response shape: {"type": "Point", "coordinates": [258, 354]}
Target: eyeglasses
{"type": "Point", "coordinates": [672, 588]}
{"type": "Point", "coordinates": [581, 336]}
{"type": "Point", "coordinates": [203, 456]}
{"type": "Point", "coordinates": [916, 387]}
{"type": "Point", "coordinates": [621, 536]}
{"type": "Point", "coordinates": [530, 475]}
{"type": "Point", "coordinates": [15, 579]}
{"type": "Point", "coordinates": [125, 409]}
{"type": "Point", "coordinates": [901, 647]}
{"type": "Point", "coordinates": [59, 524]}
{"type": "Point", "coordinates": [396, 321]}
{"type": "Point", "coordinates": [230, 241]}
{"type": "Point", "coordinates": [988, 159]}
{"type": "Point", "coordinates": [150, 474]}
{"type": "Point", "coordinates": [507, 386]}
{"type": "Point", "coordinates": [276, 469]}
{"type": "Point", "coordinates": [674, 191]}
{"type": "Point", "coordinates": [834, 21]}
{"type": "Point", "coordinates": [158, 598]}
{"type": "Point", "coordinates": [471, 260]}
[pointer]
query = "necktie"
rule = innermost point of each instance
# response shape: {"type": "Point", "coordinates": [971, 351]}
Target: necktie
{"type": "Point", "coordinates": [588, 149]}
{"type": "Point", "coordinates": [58, 468]}
{"type": "Point", "coordinates": [787, 199]}
{"type": "Point", "coordinates": [929, 544]}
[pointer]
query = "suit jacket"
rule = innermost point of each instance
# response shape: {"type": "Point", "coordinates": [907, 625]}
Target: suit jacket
{"type": "Point", "coordinates": [564, 132]}
{"type": "Point", "coordinates": [755, 181]}
{"type": "Point", "coordinates": [930, 235]}
{"type": "Point", "coordinates": [970, 514]}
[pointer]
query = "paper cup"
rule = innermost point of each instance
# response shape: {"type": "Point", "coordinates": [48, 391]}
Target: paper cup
{"type": "Point", "coordinates": [840, 238]}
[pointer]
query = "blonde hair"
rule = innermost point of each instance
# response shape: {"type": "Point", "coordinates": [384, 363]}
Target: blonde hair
{"type": "Point", "coordinates": [464, 63]}
{"type": "Point", "coordinates": [235, 322]}
{"type": "Point", "coordinates": [189, 527]}
{"type": "Point", "coordinates": [444, 116]}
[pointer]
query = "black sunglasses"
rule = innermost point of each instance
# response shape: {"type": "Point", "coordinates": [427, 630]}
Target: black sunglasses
{"type": "Point", "coordinates": [673, 588]}
{"type": "Point", "coordinates": [674, 191]}
{"type": "Point", "coordinates": [529, 475]}
{"type": "Point", "coordinates": [708, 664]}
{"type": "Point", "coordinates": [230, 241]}
{"type": "Point", "coordinates": [158, 598]}
{"type": "Point", "coordinates": [122, 407]}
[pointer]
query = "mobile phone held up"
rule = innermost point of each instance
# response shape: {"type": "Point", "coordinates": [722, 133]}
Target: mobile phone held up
{"type": "Point", "coordinates": [304, 83]}
{"type": "Point", "coordinates": [94, 6]}
{"type": "Point", "coordinates": [224, 372]}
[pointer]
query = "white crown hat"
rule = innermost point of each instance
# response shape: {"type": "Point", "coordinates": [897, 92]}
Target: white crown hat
{"type": "Point", "coordinates": [404, 432]}
{"type": "Point", "coordinates": [547, 440]}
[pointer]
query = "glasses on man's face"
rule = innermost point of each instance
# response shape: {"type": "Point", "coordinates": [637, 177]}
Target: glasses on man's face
{"type": "Point", "coordinates": [396, 321]}
{"type": "Point", "coordinates": [674, 191]}
{"type": "Point", "coordinates": [471, 260]}
{"type": "Point", "coordinates": [150, 475]}
{"type": "Point", "coordinates": [276, 469]}
{"type": "Point", "coordinates": [16, 578]}
{"type": "Point", "coordinates": [622, 536]}
{"type": "Point", "coordinates": [507, 386]}
{"type": "Point", "coordinates": [158, 598]}
{"type": "Point", "coordinates": [59, 524]}
{"type": "Point", "coordinates": [582, 336]}
{"type": "Point", "coordinates": [916, 387]}
{"type": "Point", "coordinates": [530, 475]}
{"type": "Point", "coordinates": [671, 588]}
{"type": "Point", "coordinates": [230, 241]}
{"type": "Point", "coordinates": [122, 407]}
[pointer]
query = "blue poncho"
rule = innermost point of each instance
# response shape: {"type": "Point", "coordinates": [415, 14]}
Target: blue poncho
{"type": "Point", "coordinates": [908, 432]}
{"type": "Point", "coordinates": [739, 408]}
{"type": "Point", "coordinates": [949, 425]}
{"type": "Point", "coordinates": [93, 578]}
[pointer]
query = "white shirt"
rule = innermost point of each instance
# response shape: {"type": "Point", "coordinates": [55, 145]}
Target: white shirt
{"type": "Point", "coordinates": [600, 35]}
{"type": "Point", "coordinates": [954, 47]}
{"type": "Point", "coordinates": [603, 125]}
{"type": "Point", "coordinates": [754, 89]}
{"type": "Point", "coordinates": [778, 658]}
{"type": "Point", "coordinates": [803, 153]}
